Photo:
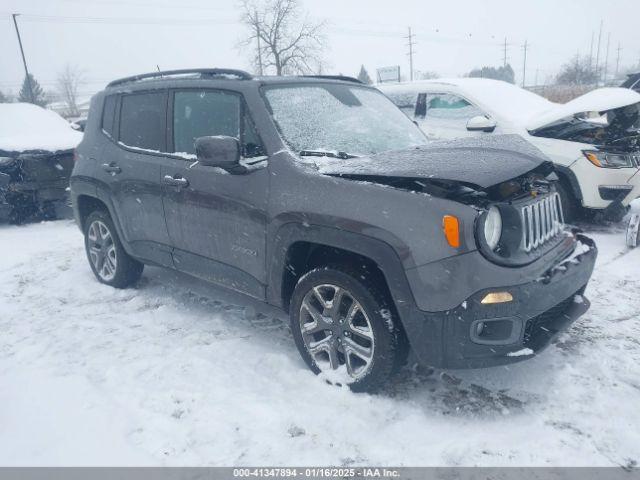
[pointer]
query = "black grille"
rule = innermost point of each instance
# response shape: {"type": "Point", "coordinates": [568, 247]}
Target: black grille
{"type": "Point", "coordinates": [543, 323]}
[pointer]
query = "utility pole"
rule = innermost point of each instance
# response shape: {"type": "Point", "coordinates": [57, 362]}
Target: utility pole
{"type": "Point", "coordinates": [524, 64]}
{"type": "Point", "coordinates": [598, 56]}
{"type": "Point", "coordinates": [591, 53]}
{"type": "Point", "coordinates": [259, 48]}
{"type": "Point", "coordinates": [619, 49]}
{"type": "Point", "coordinates": [504, 55]}
{"type": "Point", "coordinates": [606, 61]}
{"type": "Point", "coordinates": [411, 52]}
{"type": "Point", "coordinates": [24, 61]}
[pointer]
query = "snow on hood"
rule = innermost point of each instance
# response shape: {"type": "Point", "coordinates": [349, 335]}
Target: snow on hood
{"type": "Point", "coordinates": [24, 127]}
{"type": "Point", "coordinates": [600, 101]}
{"type": "Point", "coordinates": [480, 161]}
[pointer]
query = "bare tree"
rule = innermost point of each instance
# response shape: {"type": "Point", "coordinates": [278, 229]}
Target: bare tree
{"type": "Point", "coordinates": [286, 40]}
{"type": "Point", "coordinates": [69, 81]}
{"type": "Point", "coordinates": [577, 71]}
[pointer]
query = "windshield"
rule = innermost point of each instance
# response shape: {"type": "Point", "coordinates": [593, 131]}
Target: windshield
{"type": "Point", "coordinates": [338, 117]}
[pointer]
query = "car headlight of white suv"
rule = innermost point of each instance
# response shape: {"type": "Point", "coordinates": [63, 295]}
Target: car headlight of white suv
{"type": "Point", "coordinates": [612, 160]}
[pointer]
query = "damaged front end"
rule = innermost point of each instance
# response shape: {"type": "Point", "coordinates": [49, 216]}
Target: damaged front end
{"type": "Point", "coordinates": [528, 207]}
{"type": "Point", "coordinates": [33, 184]}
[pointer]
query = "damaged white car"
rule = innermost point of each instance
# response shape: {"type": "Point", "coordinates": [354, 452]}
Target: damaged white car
{"type": "Point", "coordinates": [594, 140]}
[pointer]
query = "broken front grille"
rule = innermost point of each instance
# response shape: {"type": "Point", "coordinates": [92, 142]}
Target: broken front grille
{"type": "Point", "coordinates": [542, 220]}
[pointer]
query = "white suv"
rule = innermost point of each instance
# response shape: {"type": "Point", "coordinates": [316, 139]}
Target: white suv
{"type": "Point", "coordinates": [594, 140]}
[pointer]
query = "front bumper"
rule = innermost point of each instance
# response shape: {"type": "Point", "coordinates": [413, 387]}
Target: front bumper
{"type": "Point", "coordinates": [475, 335]}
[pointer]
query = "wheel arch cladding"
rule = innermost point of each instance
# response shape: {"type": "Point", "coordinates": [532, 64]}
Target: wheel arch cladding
{"type": "Point", "coordinates": [297, 249]}
{"type": "Point", "coordinates": [86, 205]}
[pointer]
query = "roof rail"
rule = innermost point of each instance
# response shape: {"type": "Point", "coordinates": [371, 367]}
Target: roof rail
{"type": "Point", "coordinates": [203, 72]}
{"type": "Point", "coordinates": [334, 77]}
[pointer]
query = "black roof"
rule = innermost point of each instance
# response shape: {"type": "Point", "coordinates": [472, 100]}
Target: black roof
{"type": "Point", "coordinates": [220, 74]}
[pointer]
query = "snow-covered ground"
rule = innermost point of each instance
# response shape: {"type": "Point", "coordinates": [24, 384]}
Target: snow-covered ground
{"type": "Point", "coordinates": [177, 372]}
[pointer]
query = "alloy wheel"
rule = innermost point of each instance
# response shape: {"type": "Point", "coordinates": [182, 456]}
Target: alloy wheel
{"type": "Point", "coordinates": [102, 250]}
{"type": "Point", "coordinates": [337, 331]}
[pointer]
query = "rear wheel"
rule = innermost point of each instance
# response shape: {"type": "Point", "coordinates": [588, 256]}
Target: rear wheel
{"type": "Point", "coordinates": [344, 329]}
{"type": "Point", "coordinates": [110, 263]}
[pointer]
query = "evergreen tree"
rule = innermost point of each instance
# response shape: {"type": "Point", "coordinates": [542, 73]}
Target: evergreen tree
{"type": "Point", "coordinates": [505, 73]}
{"type": "Point", "coordinates": [39, 97]}
{"type": "Point", "coordinates": [363, 76]}
{"type": "Point", "coordinates": [3, 98]}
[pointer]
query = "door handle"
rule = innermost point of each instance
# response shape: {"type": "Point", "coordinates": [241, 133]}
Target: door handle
{"type": "Point", "coordinates": [175, 181]}
{"type": "Point", "coordinates": [112, 168]}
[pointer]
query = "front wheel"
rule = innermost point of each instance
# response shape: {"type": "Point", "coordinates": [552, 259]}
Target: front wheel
{"type": "Point", "coordinates": [109, 261]}
{"type": "Point", "coordinates": [344, 329]}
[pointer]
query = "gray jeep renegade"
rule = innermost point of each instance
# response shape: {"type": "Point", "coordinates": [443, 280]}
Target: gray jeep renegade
{"type": "Point", "coordinates": [319, 196]}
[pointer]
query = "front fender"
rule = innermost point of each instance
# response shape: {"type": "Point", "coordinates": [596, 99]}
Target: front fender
{"type": "Point", "coordinates": [382, 253]}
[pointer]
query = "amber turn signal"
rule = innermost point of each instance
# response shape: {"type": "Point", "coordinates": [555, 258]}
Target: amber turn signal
{"type": "Point", "coordinates": [497, 297]}
{"type": "Point", "coordinates": [451, 228]}
{"type": "Point", "coordinates": [593, 158]}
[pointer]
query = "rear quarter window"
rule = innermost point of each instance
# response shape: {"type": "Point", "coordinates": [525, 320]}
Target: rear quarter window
{"type": "Point", "coordinates": [109, 114]}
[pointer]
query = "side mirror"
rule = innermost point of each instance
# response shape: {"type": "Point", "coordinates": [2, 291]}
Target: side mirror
{"type": "Point", "coordinates": [220, 151]}
{"type": "Point", "coordinates": [481, 123]}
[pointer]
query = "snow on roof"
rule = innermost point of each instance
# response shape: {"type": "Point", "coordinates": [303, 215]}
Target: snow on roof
{"type": "Point", "coordinates": [24, 127]}
{"type": "Point", "coordinates": [505, 99]}
{"type": "Point", "coordinates": [516, 104]}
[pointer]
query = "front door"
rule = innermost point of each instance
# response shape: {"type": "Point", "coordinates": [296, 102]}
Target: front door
{"type": "Point", "coordinates": [216, 220]}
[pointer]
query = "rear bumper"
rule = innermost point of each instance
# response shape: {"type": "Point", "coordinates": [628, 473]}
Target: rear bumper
{"type": "Point", "coordinates": [475, 335]}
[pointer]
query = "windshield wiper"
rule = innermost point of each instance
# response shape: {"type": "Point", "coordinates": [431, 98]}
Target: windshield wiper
{"type": "Point", "coordinates": [326, 153]}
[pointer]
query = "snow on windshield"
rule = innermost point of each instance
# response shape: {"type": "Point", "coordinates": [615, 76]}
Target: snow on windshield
{"type": "Point", "coordinates": [338, 117]}
{"type": "Point", "coordinates": [24, 127]}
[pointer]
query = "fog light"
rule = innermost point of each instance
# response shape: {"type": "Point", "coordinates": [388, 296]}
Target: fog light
{"type": "Point", "coordinates": [479, 329]}
{"type": "Point", "coordinates": [497, 297]}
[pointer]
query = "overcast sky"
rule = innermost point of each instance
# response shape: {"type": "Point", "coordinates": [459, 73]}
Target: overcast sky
{"type": "Point", "coordinates": [452, 36]}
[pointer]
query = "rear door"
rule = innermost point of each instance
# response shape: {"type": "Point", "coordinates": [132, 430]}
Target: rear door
{"type": "Point", "coordinates": [131, 165]}
{"type": "Point", "coordinates": [216, 220]}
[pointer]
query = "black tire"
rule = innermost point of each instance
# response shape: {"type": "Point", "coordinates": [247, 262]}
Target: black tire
{"type": "Point", "coordinates": [385, 346]}
{"type": "Point", "coordinates": [49, 211]}
{"type": "Point", "coordinates": [571, 208]}
{"type": "Point", "coordinates": [126, 270]}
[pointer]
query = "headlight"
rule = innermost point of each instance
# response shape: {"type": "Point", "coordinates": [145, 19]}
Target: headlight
{"type": "Point", "coordinates": [612, 160]}
{"type": "Point", "coordinates": [493, 227]}
{"type": "Point", "coordinates": [6, 161]}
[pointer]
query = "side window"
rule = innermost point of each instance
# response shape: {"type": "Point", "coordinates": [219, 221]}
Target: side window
{"type": "Point", "coordinates": [444, 115]}
{"type": "Point", "coordinates": [142, 120]}
{"type": "Point", "coordinates": [109, 114]}
{"type": "Point", "coordinates": [405, 101]}
{"type": "Point", "coordinates": [203, 113]}
{"type": "Point", "coordinates": [449, 107]}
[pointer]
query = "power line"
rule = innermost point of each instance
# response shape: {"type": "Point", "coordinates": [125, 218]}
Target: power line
{"type": "Point", "coordinates": [504, 56]}
{"type": "Point", "coordinates": [24, 60]}
{"type": "Point", "coordinates": [598, 55]}
{"type": "Point", "coordinates": [606, 60]}
{"type": "Point", "coordinates": [126, 20]}
{"type": "Point", "coordinates": [524, 63]}
{"type": "Point", "coordinates": [410, 45]}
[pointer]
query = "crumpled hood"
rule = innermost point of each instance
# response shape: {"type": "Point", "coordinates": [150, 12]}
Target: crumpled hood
{"type": "Point", "coordinates": [479, 161]}
{"type": "Point", "coordinates": [600, 100]}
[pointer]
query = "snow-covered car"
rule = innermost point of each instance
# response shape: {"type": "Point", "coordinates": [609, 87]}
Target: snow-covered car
{"type": "Point", "coordinates": [632, 82]}
{"type": "Point", "coordinates": [593, 140]}
{"type": "Point", "coordinates": [36, 160]}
